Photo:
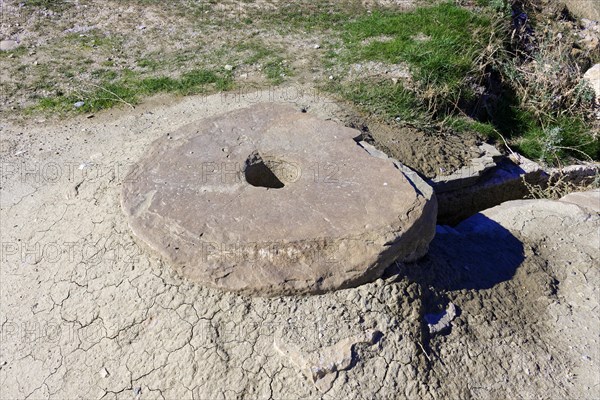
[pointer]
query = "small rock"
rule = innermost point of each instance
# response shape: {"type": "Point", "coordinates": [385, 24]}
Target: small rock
{"type": "Point", "coordinates": [228, 67]}
{"type": "Point", "coordinates": [104, 373]}
{"type": "Point", "coordinates": [330, 77]}
{"type": "Point", "coordinates": [7, 45]}
{"type": "Point", "coordinates": [244, 76]}
{"type": "Point", "coordinates": [79, 104]}
{"type": "Point", "coordinates": [592, 75]}
{"type": "Point", "coordinates": [141, 27]}
{"type": "Point", "coordinates": [137, 391]}
{"type": "Point", "coordinates": [321, 366]}
{"type": "Point", "coordinates": [317, 46]}
{"type": "Point", "coordinates": [439, 322]}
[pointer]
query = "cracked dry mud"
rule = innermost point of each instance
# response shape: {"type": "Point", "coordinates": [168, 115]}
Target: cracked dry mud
{"type": "Point", "coordinates": [86, 314]}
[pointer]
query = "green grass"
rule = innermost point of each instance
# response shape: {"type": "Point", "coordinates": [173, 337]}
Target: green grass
{"type": "Point", "coordinates": [308, 16]}
{"type": "Point", "coordinates": [276, 70]}
{"type": "Point", "coordinates": [465, 124]}
{"type": "Point", "coordinates": [94, 39]}
{"type": "Point", "coordinates": [255, 51]}
{"type": "Point", "coordinates": [440, 44]}
{"type": "Point", "coordinates": [379, 97]}
{"type": "Point", "coordinates": [566, 137]}
{"type": "Point", "coordinates": [54, 5]}
{"type": "Point", "coordinates": [130, 88]}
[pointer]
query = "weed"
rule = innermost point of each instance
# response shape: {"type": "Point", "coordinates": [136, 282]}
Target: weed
{"type": "Point", "coordinates": [558, 186]}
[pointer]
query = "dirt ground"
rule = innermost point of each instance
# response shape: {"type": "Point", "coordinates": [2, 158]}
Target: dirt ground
{"type": "Point", "coordinates": [86, 313]}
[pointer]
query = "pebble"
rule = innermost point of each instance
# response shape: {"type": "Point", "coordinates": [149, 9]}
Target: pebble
{"type": "Point", "coordinates": [317, 46]}
{"type": "Point", "coordinates": [79, 104]}
{"type": "Point", "coordinates": [228, 67]}
{"type": "Point", "coordinates": [104, 372]}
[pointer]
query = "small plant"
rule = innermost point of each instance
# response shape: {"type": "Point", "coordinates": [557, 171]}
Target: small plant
{"type": "Point", "coordinates": [558, 186]}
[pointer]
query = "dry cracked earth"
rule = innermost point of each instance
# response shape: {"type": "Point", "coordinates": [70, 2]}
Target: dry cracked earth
{"type": "Point", "coordinates": [86, 313]}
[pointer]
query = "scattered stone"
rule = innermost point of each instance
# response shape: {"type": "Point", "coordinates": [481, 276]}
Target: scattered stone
{"type": "Point", "coordinates": [79, 104]}
{"type": "Point", "coordinates": [468, 175]}
{"type": "Point", "coordinates": [290, 208]}
{"type": "Point", "coordinates": [505, 182]}
{"type": "Point", "coordinates": [137, 391]}
{"type": "Point", "coordinates": [317, 46]}
{"type": "Point", "coordinates": [439, 322]}
{"type": "Point", "coordinates": [104, 373]}
{"type": "Point", "coordinates": [321, 367]}
{"type": "Point", "coordinates": [228, 67]}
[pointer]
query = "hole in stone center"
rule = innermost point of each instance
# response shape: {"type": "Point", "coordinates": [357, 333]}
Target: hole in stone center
{"type": "Point", "coordinates": [259, 172]}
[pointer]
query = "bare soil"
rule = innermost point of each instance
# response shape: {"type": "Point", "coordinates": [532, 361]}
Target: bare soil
{"type": "Point", "coordinates": [86, 313]}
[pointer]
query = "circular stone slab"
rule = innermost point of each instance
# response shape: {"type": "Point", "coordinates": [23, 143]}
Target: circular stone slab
{"type": "Point", "coordinates": [268, 200]}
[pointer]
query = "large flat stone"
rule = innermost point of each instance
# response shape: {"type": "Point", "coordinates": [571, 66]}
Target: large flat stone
{"type": "Point", "coordinates": [268, 200]}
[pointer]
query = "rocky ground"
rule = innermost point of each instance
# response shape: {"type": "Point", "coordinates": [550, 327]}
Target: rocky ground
{"type": "Point", "coordinates": [87, 314]}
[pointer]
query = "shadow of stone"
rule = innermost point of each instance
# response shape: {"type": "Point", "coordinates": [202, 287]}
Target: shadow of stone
{"type": "Point", "coordinates": [478, 254]}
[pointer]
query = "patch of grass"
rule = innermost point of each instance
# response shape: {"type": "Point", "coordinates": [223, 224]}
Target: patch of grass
{"type": "Point", "coordinates": [257, 51]}
{"type": "Point", "coordinates": [465, 124]}
{"type": "Point", "coordinates": [14, 53]}
{"type": "Point", "coordinates": [273, 65]}
{"type": "Point", "coordinates": [104, 74]}
{"type": "Point", "coordinates": [439, 43]}
{"type": "Point", "coordinates": [54, 5]}
{"type": "Point", "coordinates": [276, 70]}
{"type": "Point", "coordinates": [148, 63]}
{"type": "Point", "coordinates": [568, 137]}
{"type": "Point", "coordinates": [130, 87]}
{"type": "Point", "coordinates": [94, 39]}
{"type": "Point", "coordinates": [382, 98]}
{"type": "Point", "coordinates": [195, 81]}
{"type": "Point", "coordinates": [311, 16]}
